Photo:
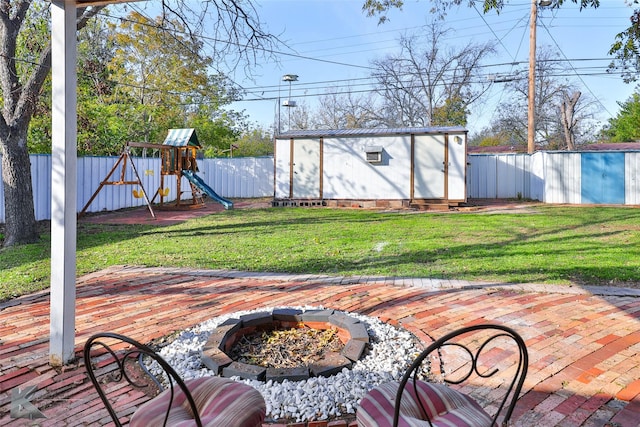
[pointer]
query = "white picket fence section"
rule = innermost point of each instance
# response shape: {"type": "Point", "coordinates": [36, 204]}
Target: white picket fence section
{"type": "Point", "coordinates": [242, 177]}
{"type": "Point", "coordinates": [551, 177]}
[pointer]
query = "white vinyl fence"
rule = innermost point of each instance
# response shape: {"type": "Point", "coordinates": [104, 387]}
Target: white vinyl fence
{"type": "Point", "coordinates": [242, 177]}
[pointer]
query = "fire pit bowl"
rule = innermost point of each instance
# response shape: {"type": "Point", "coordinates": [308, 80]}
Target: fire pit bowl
{"type": "Point", "coordinates": [389, 352]}
{"type": "Point", "coordinates": [217, 354]}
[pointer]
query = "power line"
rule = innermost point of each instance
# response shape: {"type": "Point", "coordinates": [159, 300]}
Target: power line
{"type": "Point", "coordinates": [370, 81]}
{"type": "Point", "coordinates": [575, 71]}
{"type": "Point", "coordinates": [266, 50]}
{"type": "Point", "coordinates": [294, 55]}
{"type": "Point", "coordinates": [505, 48]}
{"type": "Point", "coordinates": [365, 83]}
{"type": "Point", "coordinates": [336, 90]}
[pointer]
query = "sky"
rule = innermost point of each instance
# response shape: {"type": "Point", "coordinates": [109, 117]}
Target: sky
{"type": "Point", "coordinates": [332, 43]}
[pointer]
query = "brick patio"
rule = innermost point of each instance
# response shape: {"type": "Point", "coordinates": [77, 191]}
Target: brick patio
{"type": "Point", "coordinates": [584, 343]}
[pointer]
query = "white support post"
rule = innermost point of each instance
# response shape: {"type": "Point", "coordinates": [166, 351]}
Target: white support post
{"type": "Point", "coordinates": [63, 182]}
{"type": "Point", "coordinates": [531, 96]}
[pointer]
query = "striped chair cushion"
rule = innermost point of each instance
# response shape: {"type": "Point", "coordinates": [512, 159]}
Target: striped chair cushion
{"type": "Point", "coordinates": [444, 406]}
{"type": "Point", "coordinates": [220, 402]}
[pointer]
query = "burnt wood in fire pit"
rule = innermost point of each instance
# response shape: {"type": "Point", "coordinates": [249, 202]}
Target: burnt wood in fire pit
{"type": "Point", "coordinates": [218, 356]}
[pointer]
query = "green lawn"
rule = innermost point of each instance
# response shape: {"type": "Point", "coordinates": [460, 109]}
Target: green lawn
{"type": "Point", "coordinates": [545, 244]}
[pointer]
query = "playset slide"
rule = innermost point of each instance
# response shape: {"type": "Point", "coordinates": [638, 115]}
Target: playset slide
{"type": "Point", "coordinates": [199, 182]}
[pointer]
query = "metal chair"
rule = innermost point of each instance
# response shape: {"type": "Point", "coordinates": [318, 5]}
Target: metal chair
{"type": "Point", "coordinates": [419, 401]}
{"type": "Point", "coordinates": [208, 401]}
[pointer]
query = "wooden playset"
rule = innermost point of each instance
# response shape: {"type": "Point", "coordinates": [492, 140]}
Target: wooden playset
{"type": "Point", "coordinates": [178, 155]}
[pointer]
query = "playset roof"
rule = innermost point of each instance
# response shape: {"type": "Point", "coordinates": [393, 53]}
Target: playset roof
{"type": "Point", "coordinates": [182, 138]}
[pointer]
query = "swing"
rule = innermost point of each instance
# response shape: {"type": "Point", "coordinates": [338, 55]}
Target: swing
{"type": "Point", "coordinates": [138, 192]}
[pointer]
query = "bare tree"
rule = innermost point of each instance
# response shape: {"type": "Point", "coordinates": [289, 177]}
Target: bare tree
{"type": "Point", "coordinates": [552, 89]}
{"type": "Point", "coordinates": [235, 29]}
{"type": "Point", "coordinates": [625, 47]}
{"type": "Point", "coordinates": [569, 121]}
{"type": "Point", "coordinates": [232, 28]}
{"type": "Point", "coordinates": [345, 109]}
{"type": "Point", "coordinates": [300, 117]}
{"type": "Point", "coordinates": [426, 75]}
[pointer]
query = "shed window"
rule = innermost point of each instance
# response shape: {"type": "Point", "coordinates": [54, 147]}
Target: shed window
{"type": "Point", "coordinates": [373, 154]}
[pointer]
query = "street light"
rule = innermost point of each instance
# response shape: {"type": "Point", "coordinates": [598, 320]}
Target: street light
{"type": "Point", "coordinates": [531, 121]}
{"type": "Point", "coordinates": [287, 102]}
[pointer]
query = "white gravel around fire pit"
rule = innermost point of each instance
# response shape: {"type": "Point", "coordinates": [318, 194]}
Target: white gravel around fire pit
{"type": "Point", "coordinates": [317, 398]}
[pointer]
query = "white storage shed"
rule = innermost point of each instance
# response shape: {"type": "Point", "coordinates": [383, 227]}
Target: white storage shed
{"type": "Point", "coordinates": [371, 167]}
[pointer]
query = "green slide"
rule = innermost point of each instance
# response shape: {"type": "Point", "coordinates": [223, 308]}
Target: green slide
{"type": "Point", "coordinates": [199, 182]}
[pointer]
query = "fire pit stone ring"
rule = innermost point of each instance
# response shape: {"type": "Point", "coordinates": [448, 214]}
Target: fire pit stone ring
{"type": "Point", "coordinates": [352, 333]}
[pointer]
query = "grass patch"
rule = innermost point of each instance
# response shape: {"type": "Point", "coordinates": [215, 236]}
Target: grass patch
{"type": "Point", "coordinates": [561, 245]}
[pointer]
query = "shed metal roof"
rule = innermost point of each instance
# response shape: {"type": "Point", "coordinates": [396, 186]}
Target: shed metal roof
{"type": "Point", "coordinates": [182, 138]}
{"type": "Point", "coordinates": [316, 133]}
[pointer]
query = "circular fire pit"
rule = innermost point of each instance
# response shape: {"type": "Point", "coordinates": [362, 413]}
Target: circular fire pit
{"type": "Point", "coordinates": [390, 350]}
{"type": "Point", "coordinates": [217, 354]}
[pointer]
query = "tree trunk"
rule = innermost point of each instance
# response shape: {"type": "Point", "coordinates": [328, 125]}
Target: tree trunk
{"type": "Point", "coordinates": [567, 113]}
{"type": "Point", "coordinates": [20, 227]}
{"type": "Point", "coordinates": [19, 95]}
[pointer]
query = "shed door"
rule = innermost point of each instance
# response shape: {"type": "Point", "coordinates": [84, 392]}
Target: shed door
{"type": "Point", "coordinates": [602, 178]}
{"type": "Point", "coordinates": [283, 168]}
{"type": "Point", "coordinates": [456, 169]}
{"type": "Point", "coordinates": [306, 169]}
{"type": "Point", "coordinates": [428, 167]}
